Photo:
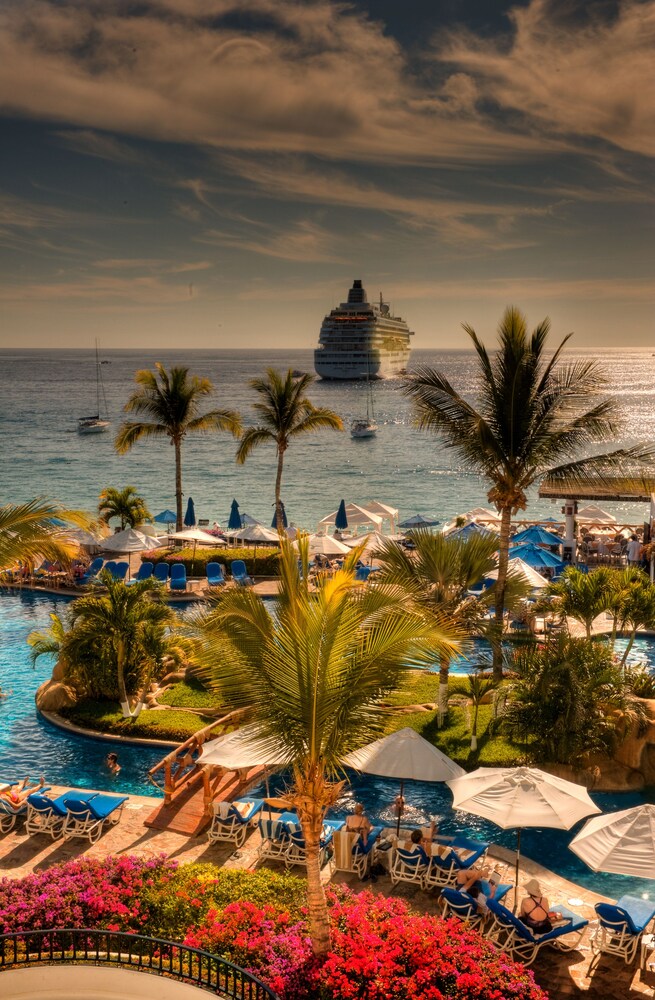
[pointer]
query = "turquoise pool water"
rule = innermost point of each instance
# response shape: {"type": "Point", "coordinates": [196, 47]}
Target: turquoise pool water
{"type": "Point", "coordinates": [642, 652]}
{"type": "Point", "coordinates": [29, 745]}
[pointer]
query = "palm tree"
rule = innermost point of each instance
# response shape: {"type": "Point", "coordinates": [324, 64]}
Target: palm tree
{"type": "Point", "coordinates": [50, 641]}
{"type": "Point", "coordinates": [439, 572]}
{"type": "Point", "coordinates": [285, 412]}
{"type": "Point", "coordinates": [638, 612]}
{"type": "Point", "coordinates": [125, 504]}
{"type": "Point", "coordinates": [172, 401]}
{"type": "Point", "coordinates": [532, 414]}
{"type": "Point", "coordinates": [623, 582]}
{"type": "Point", "coordinates": [124, 627]}
{"type": "Point", "coordinates": [474, 689]}
{"type": "Point", "coordinates": [578, 595]}
{"type": "Point", "coordinates": [312, 677]}
{"type": "Point", "coordinates": [39, 529]}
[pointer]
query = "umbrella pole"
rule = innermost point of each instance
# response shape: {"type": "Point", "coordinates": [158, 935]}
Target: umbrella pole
{"type": "Point", "coordinates": [516, 874]}
{"type": "Point", "coordinates": [400, 806]}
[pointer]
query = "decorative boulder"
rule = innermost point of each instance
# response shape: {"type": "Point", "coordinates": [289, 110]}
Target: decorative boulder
{"type": "Point", "coordinates": [52, 696]}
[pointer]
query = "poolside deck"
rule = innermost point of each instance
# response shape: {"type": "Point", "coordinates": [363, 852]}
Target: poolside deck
{"type": "Point", "coordinates": [563, 975]}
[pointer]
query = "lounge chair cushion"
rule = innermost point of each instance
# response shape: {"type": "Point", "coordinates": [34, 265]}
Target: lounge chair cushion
{"type": "Point", "coordinates": [99, 806]}
{"type": "Point", "coordinates": [634, 912]}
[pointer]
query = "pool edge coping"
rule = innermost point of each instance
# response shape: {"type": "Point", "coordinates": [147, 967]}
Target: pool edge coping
{"type": "Point", "coordinates": [60, 723]}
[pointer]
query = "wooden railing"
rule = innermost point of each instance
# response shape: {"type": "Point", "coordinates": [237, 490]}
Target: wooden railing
{"type": "Point", "coordinates": [180, 766]}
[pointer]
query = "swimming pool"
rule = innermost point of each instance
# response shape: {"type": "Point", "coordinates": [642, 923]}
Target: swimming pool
{"type": "Point", "coordinates": [642, 652]}
{"type": "Point", "coordinates": [29, 745]}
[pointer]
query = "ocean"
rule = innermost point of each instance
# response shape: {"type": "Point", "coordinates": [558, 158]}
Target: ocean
{"type": "Point", "coordinates": [42, 393]}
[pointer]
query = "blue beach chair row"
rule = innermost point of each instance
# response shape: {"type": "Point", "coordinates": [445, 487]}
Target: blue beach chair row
{"type": "Point", "coordinates": [73, 814]}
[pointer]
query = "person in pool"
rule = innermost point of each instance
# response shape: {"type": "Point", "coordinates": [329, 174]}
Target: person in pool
{"type": "Point", "coordinates": [111, 760]}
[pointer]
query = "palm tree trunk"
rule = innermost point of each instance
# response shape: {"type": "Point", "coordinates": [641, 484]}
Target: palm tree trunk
{"type": "Point", "coordinates": [474, 727]}
{"type": "Point", "coordinates": [279, 521]}
{"type": "Point", "coordinates": [442, 697]}
{"type": "Point", "coordinates": [626, 652]}
{"type": "Point", "coordinates": [503, 559]}
{"type": "Point", "coordinates": [120, 670]}
{"type": "Point", "coordinates": [177, 444]}
{"type": "Point", "coordinates": [317, 911]}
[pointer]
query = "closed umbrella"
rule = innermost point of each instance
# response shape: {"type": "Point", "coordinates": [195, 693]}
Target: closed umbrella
{"type": "Point", "coordinates": [619, 842]}
{"type": "Point", "coordinates": [518, 797]}
{"type": "Point", "coordinates": [341, 520]}
{"type": "Point", "coordinates": [190, 516]}
{"type": "Point", "coordinates": [285, 523]}
{"type": "Point", "coordinates": [404, 755]}
{"type": "Point", "coordinates": [234, 520]}
{"type": "Point", "coordinates": [535, 556]}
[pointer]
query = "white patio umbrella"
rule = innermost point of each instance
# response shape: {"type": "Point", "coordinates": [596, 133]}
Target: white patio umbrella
{"type": "Point", "coordinates": [518, 797]}
{"type": "Point", "coordinates": [129, 540]}
{"type": "Point", "coordinates": [256, 533]}
{"type": "Point", "coordinates": [404, 755]}
{"type": "Point", "coordinates": [356, 516]}
{"type": "Point", "coordinates": [524, 572]}
{"type": "Point", "coordinates": [242, 748]}
{"type": "Point", "coordinates": [90, 539]}
{"type": "Point", "coordinates": [595, 514]}
{"type": "Point", "coordinates": [619, 842]}
{"type": "Point", "coordinates": [383, 510]}
{"type": "Point", "coordinates": [326, 545]}
{"type": "Point", "coordinates": [198, 537]}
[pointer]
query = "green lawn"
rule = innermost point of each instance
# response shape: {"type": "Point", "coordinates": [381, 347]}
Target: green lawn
{"type": "Point", "coordinates": [454, 738]}
{"type": "Point", "coordinates": [190, 694]}
{"type": "Point", "coordinates": [106, 717]}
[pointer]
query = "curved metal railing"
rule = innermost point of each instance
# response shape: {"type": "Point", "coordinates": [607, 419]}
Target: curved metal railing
{"type": "Point", "coordinates": [134, 951]}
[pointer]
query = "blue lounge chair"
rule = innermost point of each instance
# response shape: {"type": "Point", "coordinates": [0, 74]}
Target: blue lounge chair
{"type": "Point", "coordinates": [215, 575]}
{"type": "Point", "coordinates": [275, 839]}
{"type": "Point", "coordinates": [362, 573]}
{"type": "Point", "coordinates": [120, 570]}
{"type": "Point", "coordinates": [86, 815]}
{"type": "Point", "coordinates": [91, 572]}
{"type": "Point", "coordinates": [110, 567]}
{"type": "Point", "coordinates": [455, 903]}
{"type": "Point", "coordinates": [144, 573]}
{"type": "Point", "coordinates": [10, 812]}
{"type": "Point", "coordinates": [297, 855]}
{"type": "Point", "coordinates": [230, 820]}
{"type": "Point", "coordinates": [621, 926]}
{"type": "Point", "coordinates": [161, 572]}
{"type": "Point", "coordinates": [46, 815]}
{"type": "Point", "coordinates": [178, 576]}
{"type": "Point", "coordinates": [409, 866]}
{"type": "Point", "coordinates": [352, 853]}
{"type": "Point", "coordinates": [240, 573]}
{"type": "Point", "coordinates": [443, 870]}
{"type": "Point", "coordinates": [516, 938]}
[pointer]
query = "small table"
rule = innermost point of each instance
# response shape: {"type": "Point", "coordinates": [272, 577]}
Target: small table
{"type": "Point", "coordinates": [647, 949]}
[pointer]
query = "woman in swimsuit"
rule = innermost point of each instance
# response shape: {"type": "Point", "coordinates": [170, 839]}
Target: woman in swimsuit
{"type": "Point", "coordinates": [535, 909]}
{"type": "Point", "coordinates": [358, 822]}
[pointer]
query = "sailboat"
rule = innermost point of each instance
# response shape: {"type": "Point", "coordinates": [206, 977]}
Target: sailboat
{"type": "Point", "coordinates": [367, 428]}
{"type": "Point", "coordinates": [95, 424]}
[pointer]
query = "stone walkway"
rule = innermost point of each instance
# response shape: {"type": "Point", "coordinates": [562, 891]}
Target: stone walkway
{"type": "Point", "coordinates": [562, 974]}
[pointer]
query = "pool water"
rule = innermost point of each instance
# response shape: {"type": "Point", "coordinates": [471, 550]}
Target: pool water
{"type": "Point", "coordinates": [29, 745]}
{"type": "Point", "coordinates": [478, 653]}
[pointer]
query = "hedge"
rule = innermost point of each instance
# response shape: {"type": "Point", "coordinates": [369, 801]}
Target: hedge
{"type": "Point", "coordinates": [266, 563]}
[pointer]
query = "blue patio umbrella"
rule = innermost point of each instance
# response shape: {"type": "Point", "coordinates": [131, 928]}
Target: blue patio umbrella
{"type": "Point", "coordinates": [165, 517]}
{"type": "Point", "coordinates": [418, 521]}
{"type": "Point", "coordinates": [190, 516]}
{"type": "Point", "coordinates": [234, 521]}
{"type": "Point", "coordinates": [285, 523]}
{"type": "Point", "coordinates": [469, 529]}
{"type": "Point", "coordinates": [535, 556]}
{"type": "Point", "coordinates": [536, 535]}
{"type": "Point", "coordinates": [341, 522]}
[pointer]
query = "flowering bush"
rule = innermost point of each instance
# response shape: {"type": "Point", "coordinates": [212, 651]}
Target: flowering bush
{"type": "Point", "coordinates": [380, 950]}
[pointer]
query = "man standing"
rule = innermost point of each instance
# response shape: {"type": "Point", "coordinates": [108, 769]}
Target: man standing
{"type": "Point", "coordinates": [634, 551]}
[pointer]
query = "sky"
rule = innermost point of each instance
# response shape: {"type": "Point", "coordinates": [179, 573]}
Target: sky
{"type": "Point", "coordinates": [208, 173]}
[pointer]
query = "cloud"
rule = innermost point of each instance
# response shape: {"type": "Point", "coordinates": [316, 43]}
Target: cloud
{"type": "Point", "coordinates": [98, 291]}
{"type": "Point", "coordinates": [585, 76]}
{"type": "Point", "coordinates": [304, 241]}
{"type": "Point", "coordinates": [104, 147]}
{"type": "Point", "coordinates": [152, 264]}
{"type": "Point", "coordinates": [314, 77]}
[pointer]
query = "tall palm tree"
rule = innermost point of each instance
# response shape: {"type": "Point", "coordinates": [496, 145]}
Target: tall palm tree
{"type": "Point", "coordinates": [582, 596]}
{"type": "Point", "coordinates": [172, 402]}
{"type": "Point", "coordinates": [532, 414]}
{"type": "Point", "coordinates": [312, 677]}
{"type": "Point", "coordinates": [39, 529]}
{"type": "Point", "coordinates": [285, 412]}
{"type": "Point", "coordinates": [125, 504]}
{"type": "Point", "coordinates": [126, 627]}
{"type": "Point", "coordinates": [439, 572]}
{"type": "Point", "coordinates": [638, 612]}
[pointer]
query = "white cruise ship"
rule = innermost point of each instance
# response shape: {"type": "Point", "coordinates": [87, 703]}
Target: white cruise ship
{"type": "Point", "coordinates": [361, 340]}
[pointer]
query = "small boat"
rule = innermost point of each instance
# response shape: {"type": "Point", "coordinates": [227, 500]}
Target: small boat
{"type": "Point", "coordinates": [95, 424]}
{"type": "Point", "coordinates": [365, 428]}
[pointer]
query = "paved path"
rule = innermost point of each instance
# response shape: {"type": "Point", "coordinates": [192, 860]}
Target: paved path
{"type": "Point", "coordinates": [563, 975]}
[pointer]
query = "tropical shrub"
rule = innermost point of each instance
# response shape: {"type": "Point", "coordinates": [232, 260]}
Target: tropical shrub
{"type": "Point", "coordinates": [572, 695]}
{"type": "Point", "coordinates": [263, 563]}
{"type": "Point", "coordinates": [379, 949]}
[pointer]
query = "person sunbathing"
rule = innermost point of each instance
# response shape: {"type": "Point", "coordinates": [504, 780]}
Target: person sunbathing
{"type": "Point", "coordinates": [467, 878]}
{"type": "Point", "coordinates": [535, 909]}
{"type": "Point", "coordinates": [17, 794]}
